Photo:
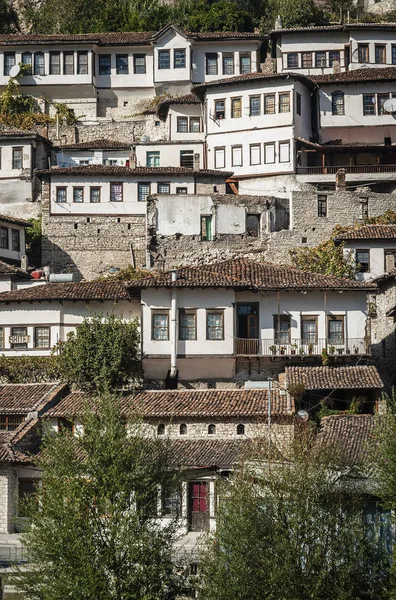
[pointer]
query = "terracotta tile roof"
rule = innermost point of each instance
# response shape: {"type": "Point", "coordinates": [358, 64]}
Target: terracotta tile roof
{"type": "Point", "coordinates": [358, 75]}
{"type": "Point", "coordinates": [230, 404]}
{"type": "Point", "coordinates": [21, 445]}
{"type": "Point", "coordinates": [370, 232]}
{"type": "Point", "coordinates": [326, 378]}
{"type": "Point", "coordinates": [199, 90]}
{"type": "Point", "coordinates": [345, 27]}
{"type": "Point", "coordinates": [14, 221]}
{"type": "Point", "coordinates": [247, 274]}
{"type": "Point", "coordinates": [163, 107]}
{"type": "Point", "coordinates": [6, 269]}
{"type": "Point", "coordinates": [100, 144]}
{"type": "Point", "coordinates": [225, 35]}
{"type": "Point", "coordinates": [94, 170]}
{"type": "Point", "coordinates": [27, 397]}
{"type": "Point", "coordinates": [348, 435]}
{"type": "Point", "coordinates": [83, 290]}
{"type": "Point", "coordinates": [208, 453]}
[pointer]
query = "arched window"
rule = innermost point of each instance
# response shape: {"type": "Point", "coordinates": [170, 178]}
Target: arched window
{"type": "Point", "coordinates": [183, 429]}
{"type": "Point", "coordinates": [337, 103]}
{"type": "Point", "coordinates": [27, 61]}
{"type": "Point", "coordinates": [240, 429]}
{"type": "Point", "coordinates": [39, 63]}
{"type": "Point", "coordinates": [161, 429]}
{"type": "Point", "coordinates": [212, 429]}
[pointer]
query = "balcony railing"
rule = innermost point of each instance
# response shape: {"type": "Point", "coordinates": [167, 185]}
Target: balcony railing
{"type": "Point", "coordinates": [246, 347]}
{"type": "Point", "coordinates": [12, 554]}
{"type": "Point", "coordinates": [348, 169]}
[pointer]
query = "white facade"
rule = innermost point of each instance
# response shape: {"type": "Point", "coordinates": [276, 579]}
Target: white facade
{"type": "Point", "coordinates": [77, 157]}
{"type": "Point", "coordinates": [12, 240]}
{"type": "Point", "coordinates": [381, 255]}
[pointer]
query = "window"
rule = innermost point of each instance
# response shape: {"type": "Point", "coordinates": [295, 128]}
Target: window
{"type": "Point", "coordinates": [363, 260]}
{"type": "Point", "coordinates": [183, 429]}
{"type": "Point", "coordinates": [17, 158]}
{"type": "Point", "coordinates": [211, 63]}
{"type": "Point", "coordinates": [368, 104]}
{"type": "Point", "coordinates": [236, 108]}
{"type": "Point", "coordinates": [284, 152]}
{"type": "Point", "coordinates": [78, 194]}
{"type": "Point", "coordinates": [298, 104]}
{"type": "Point", "coordinates": [245, 63]}
{"type": "Point", "coordinates": [104, 64]}
{"type": "Point", "coordinates": [254, 106]}
{"type": "Point", "coordinates": [61, 194]}
{"type": "Point", "coordinates": [292, 60]}
{"type": "Point", "coordinates": [161, 429]}
{"type": "Point", "coordinates": [269, 153]}
{"type": "Point", "coordinates": [153, 159]}
{"type": "Point", "coordinates": [68, 63]}
{"type": "Point", "coordinates": [187, 325]}
{"type": "Point", "coordinates": [187, 158]}
{"type": "Point", "coordinates": [269, 104]}
{"type": "Point", "coordinates": [322, 205]}
{"type": "Point", "coordinates": [163, 188]}
{"type": "Point", "coordinates": [284, 103]}
{"type": "Point", "coordinates": [39, 68]}
{"type": "Point", "coordinates": [337, 103]}
{"type": "Point", "coordinates": [116, 192]}
{"type": "Point", "coordinates": [82, 63]}
{"type": "Point", "coordinates": [164, 59]}
{"type": "Point", "coordinates": [364, 203]}
{"type": "Point", "coordinates": [219, 155]}
{"type": "Point", "coordinates": [179, 59]}
{"type": "Point", "coordinates": [122, 64]}
{"type": "Point", "coordinates": [334, 56]}
{"type": "Point", "coordinates": [195, 125]}
{"type": "Point", "coordinates": [94, 194]}
{"type": "Point", "coordinates": [181, 190]}
{"type": "Point", "coordinates": [170, 500]}
{"type": "Point", "coordinates": [10, 422]}
{"type": "Point", "coordinates": [282, 325]}
{"type": "Point", "coordinates": [160, 327]}
{"type": "Point", "coordinates": [65, 426]}
{"type": "Point", "coordinates": [306, 60]}
{"type": "Point", "coordinates": [55, 68]}
{"type": "Point", "coordinates": [381, 99]}
{"type": "Point", "coordinates": [143, 191]}
{"type": "Point", "coordinates": [27, 61]}
{"type": "Point", "coordinates": [309, 330]}
{"type": "Point", "coordinates": [252, 225]}
{"type": "Point", "coordinates": [9, 62]}
{"type": "Point", "coordinates": [4, 238]}
{"type": "Point", "coordinates": [228, 63]}
{"type": "Point", "coordinates": [390, 262]}
{"type": "Point", "coordinates": [19, 338]}
{"type": "Point", "coordinates": [26, 488]}
{"type": "Point", "coordinates": [182, 124]}
{"type": "Point", "coordinates": [320, 59]}
{"type": "Point", "coordinates": [236, 156]}
{"type": "Point", "coordinates": [363, 53]}
{"type": "Point", "coordinates": [220, 109]}
{"type": "Point", "coordinates": [380, 54]}
{"type": "Point", "coordinates": [255, 154]}
{"type": "Point", "coordinates": [15, 240]}
{"type": "Point", "coordinates": [139, 64]}
{"type": "Point", "coordinates": [240, 429]}
{"type": "Point", "coordinates": [214, 325]}
{"type": "Point", "coordinates": [393, 55]}
{"type": "Point", "coordinates": [335, 330]}
{"type": "Point", "coordinates": [42, 337]}
{"type": "Point", "coordinates": [206, 228]}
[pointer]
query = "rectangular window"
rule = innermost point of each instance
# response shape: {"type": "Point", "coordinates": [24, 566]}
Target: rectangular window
{"type": "Point", "coordinates": [195, 125]}
{"type": "Point", "coordinates": [164, 59]}
{"type": "Point", "coordinates": [269, 153]}
{"type": "Point", "coordinates": [306, 60]}
{"type": "Point", "coordinates": [179, 59]}
{"type": "Point", "coordinates": [255, 154]}
{"type": "Point", "coordinates": [219, 158]}
{"type": "Point", "coordinates": [17, 158]}
{"type": "Point", "coordinates": [292, 60]}
{"type": "Point", "coordinates": [122, 64]}
{"type": "Point", "coordinates": [282, 325]}
{"type": "Point", "coordinates": [309, 330]}
{"type": "Point", "coordinates": [334, 56]}
{"type": "Point", "coordinates": [381, 99]}
{"type": "Point", "coordinates": [94, 194]}
{"type": "Point", "coordinates": [187, 324]}
{"type": "Point", "coordinates": [228, 63]}
{"type": "Point", "coordinates": [55, 68]}
{"type": "Point", "coordinates": [139, 64]}
{"type": "Point", "coordinates": [116, 192]}
{"type": "Point", "coordinates": [298, 104]}
{"type": "Point", "coordinates": [214, 325]}
{"type": "Point", "coordinates": [253, 225]}
{"type": "Point", "coordinates": [171, 501]}
{"type": "Point", "coordinates": [163, 188]}
{"type": "Point", "coordinates": [68, 63]}
{"type": "Point", "coordinates": [284, 102]}
{"type": "Point", "coordinates": [335, 330]}
{"type": "Point", "coordinates": [187, 158]}
{"type": "Point", "coordinates": [364, 203]}
{"type": "Point", "coordinates": [19, 337]}
{"type": "Point", "coordinates": [4, 243]}
{"type": "Point", "coordinates": [338, 103]}
{"type": "Point", "coordinates": [245, 63]}
{"type": "Point", "coordinates": [9, 62]}
{"type": "Point", "coordinates": [320, 59]}
{"type": "Point", "coordinates": [211, 63]}
{"type": "Point", "coordinates": [206, 228]}
{"type": "Point", "coordinates": [368, 104]}
{"type": "Point", "coordinates": [104, 64]}
{"type": "Point", "coordinates": [236, 156]}
{"type": "Point", "coordinates": [236, 108]}
{"type": "Point", "coordinates": [42, 337]}
{"type": "Point", "coordinates": [220, 109]}
{"type": "Point", "coordinates": [393, 54]}
{"type": "Point", "coordinates": [1, 337]}
{"type": "Point", "coordinates": [254, 106]}
{"type": "Point", "coordinates": [380, 54]}
{"type": "Point", "coordinates": [181, 190]}
{"type": "Point", "coordinates": [15, 240]}
{"type": "Point", "coordinates": [160, 326]}
{"type": "Point", "coordinates": [182, 124]}
{"type": "Point", "coordinates": [10, 422]}
{"type": "Point", "coordinates": [143, 191]}
{"type": "Point", "coordinates": [363, 260]}
{"type": "Point", "coordinates": [61, 194]}
{"type": "Point", "coordinates": [82, 63]}
{"type": "Point", "coordinates": [78, 194]}
{"type": "Point", "coordinates": [153, 158]}
{"type": "Point", "coordinates": [284, 152]}
{"type": "Point", "coordinates": [269, 104]}
{"type": "Point", "coordinates": [363, 53]}
{"type": "Point", "coordinates": [322, 205]}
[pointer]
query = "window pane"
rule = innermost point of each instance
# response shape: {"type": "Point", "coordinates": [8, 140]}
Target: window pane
{"type": "Point", "coordinates": [335, 331]}
{"type": "Point", "coordinates": [104, 64]}
{"type": "Point", "coordinates": [160, 327]}
{"type": "Point", "coordinates": [17, 158]}
{"type": "Point", "coordinates": [254, 106]}
{"type": "Point", "coordinates": [27, 61]}
{"type": "Point", "coordinates": [164, 59]}
{"type": "Point", "coordinates": [15, 240]}
{"type": "Point", "coordinates": [236, 156]}
{"type": "Point", "coordinates": [4, 238]}
{"type": "Point", "coordinates": [281, 329]}
{"type": "Point", "coordinates": [228, 64]}
{"type": "Point", "coordinates": [153, 159]}
{"type": "Point", "coordinates": [143, 191]}
{"type": "Point", "coordinates": [362, 260]}
{"type": "Point", "coordinates": [307, 60]}
{"type": "Point", "coordinates": [19, 337]}
{"type": "Point", "coordinates": [334, 56]}
{"type": "Point", "coordinates": [55, 63]}
{"type": "Point", "coordinates": [214, 326]}
{"type": "Point", "coordinates": [320, 59]}
{"type": "Point", "coordinates": [292, 60]}
{"type": "Point", "coordinates": [82, 63]}
{"type": "Point", "coordinates": [220, 109]}
{"type": "Point", "coordinates": [322, 206]}
{"type": "Point", "coordinates": [116, 192]}
{"type": "Point", "coordinates": [187, 158]}
{"type": "Point", "coordinates": [337, 103]}
{"type": "Point", "coordinates": [309, 331]}
{"type": "Point", "coordinates": [139, 64]}
{"type": "Point", "coordinates": [42, 337]}
{"type": "Point", "coordinates": [363, 53]}
{"type": "Point", "coordinates": [61, 194]}
{"type": "Point", "coordinates": [269, 153]}
{"type": "Point", "coordinates": [187, 329]}
{"type": "Point", "coordinates": [382, 98]}
{"type": "Point", "coordinates": [219, 158]}
{"type": "Point", "coordinates": [255, 154]}
{"type": "Point", "coordinates": [163, 188]}
{"type": "Point", "coordinates": [284, 103]}
{"type": "Point", "coordinates": [245, 63]}
{"type": "Point", "coordinates": [95, 195]}
{"type": "Point", "coordinates": [284, 151]}
{"type": "Point", "coordinates": [195, 125]}
{"type": "Point", "coordinates": [78, 195]}
{"type": "Point", "coordinates": [182, 124]}
{"type": "Point", "coordinates": [68, 63]}
{"type": "Point", "coordinates": [369, 104]}
{"type": "Point", "coordinates": [9, 62]}
{"type": "Point", "coordinates": [380, 54]}
{"type": "Point", "coordinates": [211, 63]}
{"type": "Point", "coordinates": [122, 64]}
{"type": "Point", "coordinates": [236, 108]}
{"type": "Point", "coordinates": [269, 104]}
{"type": "Point", "coordinates": [393, 55]}
{"type": "Point", "coordinates": [179, 59]}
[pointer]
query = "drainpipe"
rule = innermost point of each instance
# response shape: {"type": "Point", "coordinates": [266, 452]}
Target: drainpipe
{"type": "Point", "coordinates": [173, 320]}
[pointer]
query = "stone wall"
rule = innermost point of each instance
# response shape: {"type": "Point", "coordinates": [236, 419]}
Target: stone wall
{"type": "Point", "coordinates": [8, 490]}
{"type": "Point", "coordinates": [382, 330]}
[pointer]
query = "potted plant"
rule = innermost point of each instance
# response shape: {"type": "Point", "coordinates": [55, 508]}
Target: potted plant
{"type": "Point", "coordinates": [282, 349]}
{"type": "Point", "coordinates": [325, 357]}
{"type": "Point", "coordinates": [293, 349]}
{"type": "Point", "coordinates": [310, 348]}
{"type": "Point", "coordinates": [272, 349]}
{"type": "Point", "coordinates": [340, 350]}
{"type": "Point", "coordinates": [332, 349]}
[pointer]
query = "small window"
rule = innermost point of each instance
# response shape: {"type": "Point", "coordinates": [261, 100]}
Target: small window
{"type": "Point", "coordinates": [206, 228]}
{"type": "Point", "coordinates": [160, 327]}
{"type": "Point", "coordinates": [220, 109]}
{"type": "Point", "coordinates": [153, 159]}
{"type": "Point", "coordinates": [187, 325]}
{"type": "Point", "coordinates": [306, 60]}
{"type": "Point", "coordinates": [322, 205]}
{"type": "Point", "coordinates": [183, 429]}
{"type": "Point", "coordinates": [68, 63]}
{"type": "Point", "coordinates": [163, 188]}
{"type": "Point", "coordinates": [17, 158]}
{"type": "Point", "coordinates": [187, 158]}
{"type": "Point", "coordinates": [61, 194]}
{"type": "Point", "coordinates": [284, 152]}
{"type": "Point", "coordinates": [292, 60]}
{"type": "Point", "coordinates": [139, 64]}
{"type": "Point", "coordinates": [161, 429]}
{"type": "Point", "coordinates": [228, 63]}
{"type": "Point", "coordinates": [335, 330]}
{"type": "Point", "coordinates": [284, 102]}
{"type": "Point", "coordinates": [82, 63]}
{"type": "Point", "coordinates": [282, 325]}
{"type": "Point", "coordinates": [181, 190]}
{"type": "Point", "coordinates": [393, 54]}
{"type": "Point", "coordinates": [219, 154]}
{"type": "Point", "coordinates": [9, 62]}
{"type": "Point", "coordinates": [363, 53]}
{"type": "Point", "coordinates": [94, 194]}
{"type": "Point", "coordinates": [269, 153]}
{"type": "Point", "coordinates": [42, 337]}
{"type": "Point", "coordinates": [27, 61]}
{"type": "Point", "coordinates": [171, 501]}
{"type": "Point", "coordinates": [254, 106]}
{"type": "Point", "coordinates": [65, 426]}
{"type": "Point", "coordinates": [236, 108]}
{"type": "Point", "coordinates": [255, 154]}
{"type": "Point", "coordinates": [55, 65]}
{"type": "Point", "coordinates": [245, 63]}
{"type": "Point", "coordinates": [122, 64]}
{"type": "Point", "coordinates": [19, 338]}
{"type": "Point", "coordinates": [236, 156]}
{"type": "Point", "coordinates": [212, 429]}
{"type": "Point", "coordinates": [253, 225]}
{"type": "Point", "coordinates": [143, 191]}
{"type": "Point", "coordinates": [368, 104]}
{"type": "Point", "coordinates": [269, 104]}
{"type": "Point", "coordinates": [334, 57]}
{"type": "Point", "coordinates": [104, 64]}
{"type": "Point", "coordinates": [211, 63]}
{"type": "Point", "coordinates": [320, 59]}
{"type": "Point", "coordinates": [240, 429]}
{"type": "Point", "coordinates": [78, 194]}
{"type": "Point", "coordinates": [364, 203]}
{"type": "Point", "coordinates": [4, 243]}
{"type": "Point", "coordinates": [182, 124]}
{"type": "Point", "coordinates": [380, 54]}
{"type": "Point", "coordinates": [337, 103]}
{"type": "Point", "coordinates": [179, 59]}
{"type": "Point", "coordinates": [214, 325]}
{"type": "Point", "coordinates": [10, 422]}
{"type": "Point", "coordinates": [116, 192]}
{"type": "Point", "coordinates": [164, 59]}
{"type": "Point", "coordinates": [381, 99]}
{"type": "Point", "coordinates": [298, 104]}
{"type": "Point", "coordinates": [195, 125]}
{"type": "Point", "coordinates": [363, 260]}
{"type": "Point", "coordinates": [15, 240]}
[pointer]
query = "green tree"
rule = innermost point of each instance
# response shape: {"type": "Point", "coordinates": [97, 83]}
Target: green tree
{"type": "Point", "coordinates": [8, 18]}
{"type": "Point", "coordinates": [93, 531]}
{"type": "Point", "coordinates": [34, 235]}
{"type": "Point", "coordinates": [294, 13]}
{"type": "Point", "coordinates": [327, 258]}
{"type": "Point", "coordinates": [224, 15]}
{"type": "Point", "coordinates": [290, 529]}
{"type": "Point", "coordinates": [102, 355]}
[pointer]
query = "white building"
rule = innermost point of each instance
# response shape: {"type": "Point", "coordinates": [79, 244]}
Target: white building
{"type": "Point", "coordinates": [12, 239]}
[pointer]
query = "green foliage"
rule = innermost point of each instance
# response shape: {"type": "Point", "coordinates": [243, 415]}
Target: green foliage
{"type": "Point", "coordinates": [128, 273]}
{"type": "Point", "coordinates": [34, 237]}
{"type": "Point", "coordinates": [8, 18]}
{"type": "Point", "coordinates": [28, 369]}
{"type": "Point", "coordinates": [93, 531]}
{"type": "Point", "coordinates": [294, 13]}
{"type": "Point", "coordinates": [327, 258]}
{"type": "Point", "coordinates": [223, 15]}
{"type": "Point", "coordinates": [388, 218]}
{"type": "Point", "coordinates": [102, 355]}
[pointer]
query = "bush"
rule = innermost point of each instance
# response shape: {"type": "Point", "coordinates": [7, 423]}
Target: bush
{"type": "Point", "coordinates": [29, 369]}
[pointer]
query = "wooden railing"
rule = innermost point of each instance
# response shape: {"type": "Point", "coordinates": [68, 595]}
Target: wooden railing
{"type": "Point", "coordinates": [246, 347]}
{"type": "Point", "coordinates": [349, 169]}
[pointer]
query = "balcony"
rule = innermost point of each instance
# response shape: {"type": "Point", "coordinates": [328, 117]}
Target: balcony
{"type": "Point", "coordinates": [354, 169]}
{"type": "Point", "coordinates": [270, 348]}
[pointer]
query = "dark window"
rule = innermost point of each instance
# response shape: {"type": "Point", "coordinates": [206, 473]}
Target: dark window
{"type": "Point", "coordinates": [245, 63]}
{"type": "Point", "coordinates": [9, 62]}
{"type": "Point", "coordinates": [65, 426]}
{"type": "Point", "coordinates": [161, 429]}
{"type": "Point", "coordinates": [253, 225]}
{"type": "Point", "coordinates": [143, 191]}
{"type": "Point", "coordinates": [39, 68]}
{"type": "Point", "coordinates": [68, 63]}
{"type": "Point", "coordinates": [10, 422]}
{"type": "Point", "coordinates": [363, 53]}
{"type": "Point", "coordinates": [364, 203]}
{"type": "Point", "coordinates": [220, 109]}
{"type": "Point", "coordinates": [240, 429]}
{"type": "Point", "coordinates": [27, 61]}
{"type": "Point", "coordinates": [298, 104]}
{"type": "Point", "coordinates": [183, 429]}
{"type": "Point", "coordinates": [320, 59]}
{"type": "Point", "coordinates": [187, 158]}
{"type": "Point", "coordinates": [179, 59]}
{"type": "Point", "coordinates": [19, 338]}
{"type": "Point", "coordinates": [187, 325]}
{"type": "Point", "coordinates": [61, 194]}
{"type": "Point", "coordinates": [292, 60]}
{"type": "Point", "coordinates": [17, 158]}
{"type": "Point", "coordinates": [115, 192]}
{"type": "Point", "coordinates": [206, 228]}
{"type": "Point", "coordinates": [363, 260]}
{"type": "Point", "coordinates": [181, 190]}
{"type": "Point", "coordinates": [55, 63]}
{"type": "Point", "coordinates": [164, 59]}
{"type": "Point", "coordinates": [335, 330]}
{"type": "Point", "coordinates": [380, 54]}
{"type": "Point", "coordinates": [368, 104]}
{"type": "Point", "coordinates": [236, 108]}
{"type": "Point", "coordinates": [4, 238]}
{"type": "Point", "coordinates": [211, 63]}
{"type": "Point", "coordinates": [94, 195]}
{"type": "Point", "coordinates": [393, 55]}
{"type": "Point", "coordinates": [139, 64]}
{"type": "Point", "coordinates": [163, 188]}
{"type": "Point", "coordinates": [334, 56]}
{"type": "Point", "coordinates": [15, 240]}
{"type": "Point", "coordinates": [322, 205]}
{"type": "Point", "coordinates": [104, 64]}
{"type": "Point", "coordinates": [42, 337]}
{"type": "Point", "coordinates": [82, 63]}
{"type": "Point", "coordinates": [228, 63]}
{"type": "Point", "coordinates": [78, 194]}
{"type": "Point", "coordinates": [269, 104]}
{"type": "Point", "coordinates": [282, 325]}
{"type": "Point", "coordinates": [182, 124]}
{"type": "Point", "coordinates": [306, 60]}
{"type": "Point", "coordinates": [26, 489]}
{"type": "Point", "coordinates": [211, 429]}
{"type": "Point", "coordinates": [284, 102]}
{"type": "Point", "coordinates": [309, 330]}
{"type": "Point", "coordinates": [214, 325]}
{"type": "Point", "coordinates": [160, 328]}
{"type": "Point", "coordinates": [170, 500]}
{"type": "Point", "coordinates": [337, 103]}
{"type": "Point", "coordinates": [122, 64]}
{"type": "Point", "coordinates": [195, 125]}
{"type": "Point", "coordinates": [254, 106]}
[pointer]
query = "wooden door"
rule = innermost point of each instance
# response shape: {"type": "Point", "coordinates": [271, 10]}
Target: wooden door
{"type": "Point", "coordinates": [198, 506]}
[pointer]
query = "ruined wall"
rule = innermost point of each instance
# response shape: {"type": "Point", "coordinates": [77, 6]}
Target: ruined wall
{"type": "Point", "coordinates": [382, 329]}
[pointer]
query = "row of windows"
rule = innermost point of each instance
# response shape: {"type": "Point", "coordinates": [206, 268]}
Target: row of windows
{"type": "Point", "coordinates": [179, 59]}
{"type": "Point", "coordinates": [122, 64]}
{"type": "Point", "coordinates": [17, 158]}
{"type": "Point", "coordinates": [188, 124]}
{"type": "Point", "coordinates": [19, 338]}
{"type": "Point", "coordinates": [161, 429]}
{"type": "Point", "coordinates": [116, 192]}
{"type": "Point", "coordinates": [267, 153]}
{"type": "Point", "coordinates": [373, 104]}
{"type": "Point", "coordinates": [35, 63]}
{"type": "Point", "coordinates": [5, 239]}
{"type": "Point", "coordinates": [323, 207]}
{"type": "Point", "coordinates": [153, 158]}
{"type": "Point", "coordinates": [227, 63]}
{"type": "Point", "coordinates": [309, 329]}
{"type": "Point", "coordinates": [362, 260]}
{"type": "Point", "coordinates": [256, 105]}
{"type": "Point", "coordinates": [307, 60]}
{"type": "Point", "coordinates": [188, 325]}
{"type": "Point", "coordinates": [379, 54]}
{"type": "Point", "coordinates": [10, 422]}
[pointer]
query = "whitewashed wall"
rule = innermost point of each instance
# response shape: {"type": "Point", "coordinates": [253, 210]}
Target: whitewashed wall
{"type": "Point", "coordinates": [314, 41]}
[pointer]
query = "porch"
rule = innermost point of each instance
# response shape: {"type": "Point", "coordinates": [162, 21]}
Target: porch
{"type": "Point", "coordinates": [301, 347]}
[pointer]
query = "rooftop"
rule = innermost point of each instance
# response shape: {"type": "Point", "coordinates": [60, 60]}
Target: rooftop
{"type": "Point", "coordinates": [208, 453]}
{"type": "Point", "coordinates": [83, 290]}
{"type": "Point", "coordinates": [163, 107]}
{"type": "Point", "coordinates": [341, 27]}
{"type": "Point", "coordinates": [23, 398]}
{"type": "Point", "coordinates": [370, 232]}
{"type": "Point", "coordinates": [100, 144]}
{"type": "Point", "coordinates": [16, 446]}
{"type": "Point", "coordinates": [356, 76]}
{"type": "Point", "coordinates": [348, 435]}
{"type": "Point", "coordinates": [341, 378]}
{"type": "Point", "coordinates": [94, 170]}
{"type": "Point", "coordinates": [14, 221]}
{"type": "Point", "coordinates": [200, 89]}
{"type": "Point", "coordinates": [6, 269]}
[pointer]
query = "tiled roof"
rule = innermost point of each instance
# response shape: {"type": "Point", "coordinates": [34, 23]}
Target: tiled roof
{"type": "Point", "coordinates": [100, 144]}
{"type": "Point", "coordinates": [345, 27]}
{"type": "Point", "coordinates": [6, 269]}
{"type": "Point", "coordinates": [195, 404]}
{"type": "Point", "coordinates": [163, 107]}
{"type": "Point", "coordinates": [247, 274]}
{"type": "Point", "coordinates": [370, 232]}
{"type": "Point", "coordinates": [26, 397]}
{"type": "Point", "coordinates": [93, 170]}
{"type": "Point", "coordinates": [14, 221]}
{"type": "Point", "coordinates": [83, 290]}
{"type": "Point", "coordinates": [346, 435]}
{"type": "Point", "coordinates": [208, 453]}
{"type": "Point", "coordinates": [200, 88]}
{"type": "Point", "coordinates": [356, 76]}
{"type": "Point", "coordinates": [341, 378]}
{"type": "Point", "coordinates": [18, 445]}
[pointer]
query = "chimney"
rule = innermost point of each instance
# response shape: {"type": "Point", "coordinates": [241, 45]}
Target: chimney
{"type": "Point", "coordinates": [278, 23]}
{"type": "Point", "coordinates": [132, 158]}
{"type": "Point", "coordinates": [340, 182]}
{"type": "Point", "coordinates": [196, 162]}
{"type": "Point", "coordinates": [24, 263]}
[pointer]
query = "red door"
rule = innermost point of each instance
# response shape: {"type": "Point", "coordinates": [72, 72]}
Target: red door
{"type": "Point", "coordinates": [198, 506]}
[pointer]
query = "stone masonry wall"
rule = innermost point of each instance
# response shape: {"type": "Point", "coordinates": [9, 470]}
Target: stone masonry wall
{"type": "Point", "coordinates": [383, 332]}
{"type": "Point", "coordinates": [8, 489]}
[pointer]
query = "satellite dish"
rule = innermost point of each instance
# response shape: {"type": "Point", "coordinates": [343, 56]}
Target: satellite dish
{"type": "Point", "coordinates": [390, 105]}
{"type": "Point", "coordinates": [14, 71]}
{"type": "Point", "coordinates": [302, 416]}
